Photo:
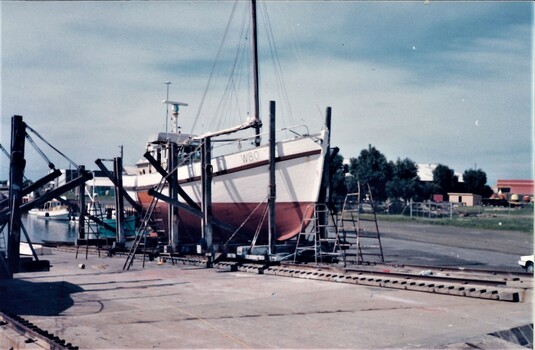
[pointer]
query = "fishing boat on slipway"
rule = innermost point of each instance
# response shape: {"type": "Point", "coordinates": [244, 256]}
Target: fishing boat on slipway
{"type": "Point", "coordinates": [240, 176]}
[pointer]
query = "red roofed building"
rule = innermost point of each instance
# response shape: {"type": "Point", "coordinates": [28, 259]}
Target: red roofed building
{"type": "Point", "coordinates": [519, 187]}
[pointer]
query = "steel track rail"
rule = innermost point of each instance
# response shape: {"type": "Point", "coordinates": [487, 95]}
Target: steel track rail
{"type": "Point", "coordinates": [33, 333]}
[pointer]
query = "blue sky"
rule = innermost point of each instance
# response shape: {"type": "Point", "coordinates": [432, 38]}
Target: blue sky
{"type": "Point", "coordinates": [443, 82]}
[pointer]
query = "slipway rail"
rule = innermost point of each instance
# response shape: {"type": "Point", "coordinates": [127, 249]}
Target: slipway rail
{"type": "Point", "coordinates": [27, 335]}
{"type": "Point", "coordinates": [492, 285]}
{"type": "Point", "coordinates": [470, 283]}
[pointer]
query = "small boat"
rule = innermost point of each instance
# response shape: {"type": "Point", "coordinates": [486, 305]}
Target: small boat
{"type": "Point", "coordinates": [107, 216]}
{"type": "Point", "coordinates": [129, 228]}
{"type": "Point", "coordinates": [52, 210]}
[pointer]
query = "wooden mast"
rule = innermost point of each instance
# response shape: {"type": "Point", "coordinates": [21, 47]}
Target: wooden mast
{"type": "Point", "coordinates": [258, 122]}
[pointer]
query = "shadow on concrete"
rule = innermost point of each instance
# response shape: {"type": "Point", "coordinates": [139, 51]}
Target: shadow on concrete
{"type": "Point", "coordinates": [36, 298]}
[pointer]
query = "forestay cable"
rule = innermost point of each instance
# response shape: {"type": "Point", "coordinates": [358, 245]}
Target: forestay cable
{"type": "Point", "coordinates": [213, 67]}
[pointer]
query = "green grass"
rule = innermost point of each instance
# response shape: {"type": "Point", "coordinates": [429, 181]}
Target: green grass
{"type": "Point", "coordinates": [491, 223]}
{"type": "Point", "coordinates": [516, 219]}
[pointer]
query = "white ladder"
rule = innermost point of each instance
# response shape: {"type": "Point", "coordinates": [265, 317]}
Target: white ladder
{"type": "Point", "coordinates": [358, 229]}
{"type": "Point", "coordinates": [317, 234]}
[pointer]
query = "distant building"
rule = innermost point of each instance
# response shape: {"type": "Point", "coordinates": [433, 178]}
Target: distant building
{"type": "Point", "coordinates": [100, 184]}
{"type": "Point", "coordinates": [468, 199]}
{"type": "Point", "coordinates": [518, 187]}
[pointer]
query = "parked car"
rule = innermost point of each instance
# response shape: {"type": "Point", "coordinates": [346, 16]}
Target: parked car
{"type": "Point", "coordinates": [526, 262]}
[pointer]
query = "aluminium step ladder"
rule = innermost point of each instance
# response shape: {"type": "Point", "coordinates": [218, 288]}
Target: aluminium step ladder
{"type": "Point", "coordinates": [358, 230]}
{"type": "Point", "coordinates": [318, 234]}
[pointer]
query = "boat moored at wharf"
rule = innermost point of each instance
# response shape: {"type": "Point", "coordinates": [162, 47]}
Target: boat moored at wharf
{"type": "Point", "coordinates": [52, 210]}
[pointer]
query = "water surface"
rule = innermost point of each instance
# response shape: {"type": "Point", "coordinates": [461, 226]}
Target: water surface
{"type": "Point", "coordinates": [40, 229]}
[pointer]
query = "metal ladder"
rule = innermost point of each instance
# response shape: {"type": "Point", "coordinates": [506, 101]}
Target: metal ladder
{"type": "Point", "coordinates": [3, 244]}
{"type": "Point", "coordinates": [140, 239]}
{"type": "Point", "coordinates": [316, 236]}
{"type": "Point", "coordinates": [359, 234]}
{"type": "Point", "coordinates": [156, 223]}
{"type": "Point", "coordinates": [3, 251]}
{"type": "Point", "coordinates": [94, 209]}
{"type": "Point", "coordinates": [91, 228]}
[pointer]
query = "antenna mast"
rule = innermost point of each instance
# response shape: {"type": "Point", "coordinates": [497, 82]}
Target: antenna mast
{"type": "Point", "coordinates": [167, 107]}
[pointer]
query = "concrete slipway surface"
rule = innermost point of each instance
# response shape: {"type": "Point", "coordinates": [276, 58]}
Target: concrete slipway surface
{"type": "Point", "coordinates": [185, 307]}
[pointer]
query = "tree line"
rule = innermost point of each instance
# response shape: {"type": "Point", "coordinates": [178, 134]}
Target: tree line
{"type": "Point", "coordinates": [398, 180]}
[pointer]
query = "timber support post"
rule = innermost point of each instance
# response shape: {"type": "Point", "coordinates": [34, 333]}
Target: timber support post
{"type": "Point", "coordinates": [325, 178]}
{"type": "Point", "coordinates": [119, 202]}
{"type": "Point", "coordinates": [16, 174]}
{"type": "Point", "coordinates": [272, 181]}
{"type": "Point", "coordinates": [172, 179]}
{"type": "Point", "coordinates": [81, 205]}
{"type": "Point", "coordinates": [206, 177]}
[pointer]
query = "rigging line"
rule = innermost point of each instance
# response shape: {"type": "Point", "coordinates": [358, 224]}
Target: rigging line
{"type": "Point", "coordinates": [184, 160]}
{"type": "Point", "coordinates": [259, 226]}
{"type": "Point", "coordinates": [283, 93]}
{"type": "Point", "coordinates": [233, 77]}
{"type": "Point", "coordinates": [5, 151]}
{"type": "Point", "coordinates": [247, 219]}
{"type": "Point", "coordinates": [214, 66]}
{"type": "Point", "coordinates": [54, 148]}
{"type": "Point", "coordinates": [9, 157]}
{"type": "Point", "coordinates": [43, 155]}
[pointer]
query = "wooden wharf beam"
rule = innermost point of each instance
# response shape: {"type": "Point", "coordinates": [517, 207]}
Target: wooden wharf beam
{"type": "Point", "coordinates": [39, 183]}
{"type": "Point", "coordinates": [113, 179]}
